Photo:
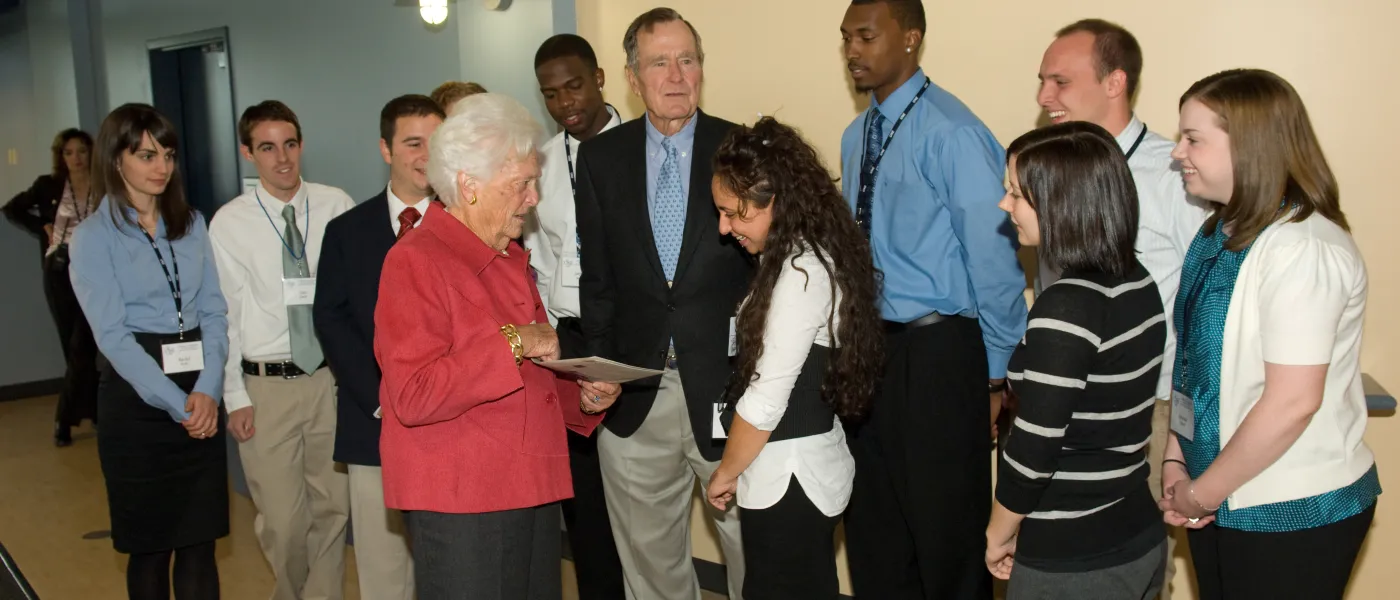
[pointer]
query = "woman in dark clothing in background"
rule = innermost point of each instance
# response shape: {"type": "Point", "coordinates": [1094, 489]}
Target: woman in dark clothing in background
{"type": "Point", "coordinates": [51, 209]}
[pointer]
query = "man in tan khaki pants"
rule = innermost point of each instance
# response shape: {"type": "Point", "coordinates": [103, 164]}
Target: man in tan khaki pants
{"type": "Point", "coordinates": [277, 390]}
{"type": "Point", "coordinates": [1089, 73]}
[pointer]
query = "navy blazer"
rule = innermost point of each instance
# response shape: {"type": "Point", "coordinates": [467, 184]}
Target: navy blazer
{"type": "Point", "coordinates": [347, 289]}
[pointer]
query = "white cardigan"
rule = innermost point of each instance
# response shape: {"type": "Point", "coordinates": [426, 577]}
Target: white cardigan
{"type": "Point", "coordinates": [1300, 299]}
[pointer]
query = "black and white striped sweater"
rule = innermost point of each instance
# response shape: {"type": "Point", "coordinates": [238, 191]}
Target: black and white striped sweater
{"type": "Point", "coordinates": [1075, 462]}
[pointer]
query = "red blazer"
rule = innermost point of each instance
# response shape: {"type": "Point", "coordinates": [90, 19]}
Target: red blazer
{"type": "Point", "coordinates": [464, 429]}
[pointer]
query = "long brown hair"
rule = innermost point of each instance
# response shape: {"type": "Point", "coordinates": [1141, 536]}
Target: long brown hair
{"type": "Point", "coordinates": [770, 164]}
{"type": "Point", "coordinates": [121, 132]}
{"type": "Point", "coordinates": [1279, 166]}
{"type": "Point", "coordinates": [60, 166]}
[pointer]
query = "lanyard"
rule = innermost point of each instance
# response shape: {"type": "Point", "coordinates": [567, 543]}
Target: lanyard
{"type": "Point", "coordinates": [875, 165]}
{"type": "Point", "coordinates": [1192, 296]}
{"type": "Point", "coordinates": [1137, 142]}
{"type": "Point", "coordinates": [573, 189]}
{"type": "Point", "coordinates": [306, 208]}
{"type": "Point", "coordinates": [173, 281]}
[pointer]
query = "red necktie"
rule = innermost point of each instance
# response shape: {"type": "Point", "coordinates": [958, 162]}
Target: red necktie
{"type": "Point", "coordinates": [407, 218]}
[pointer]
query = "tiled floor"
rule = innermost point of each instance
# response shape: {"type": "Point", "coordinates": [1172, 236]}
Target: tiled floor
{"type": "Point", "coordinates": [51, 497]}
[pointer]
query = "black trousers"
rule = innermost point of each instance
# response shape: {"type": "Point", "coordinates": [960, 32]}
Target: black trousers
{"type": "Point", "coordinates": [504, 555]}
{"type": "Point", "coordinates": [1312, 563]}
{"type": "Point", "coordinates": [915, 528]}
{"type": "Point", "coordinates": [78, 399]}
{"type": "Point", "coordinates": [591, 544]}
{"type": "Point", "coordinates": [789, 550]}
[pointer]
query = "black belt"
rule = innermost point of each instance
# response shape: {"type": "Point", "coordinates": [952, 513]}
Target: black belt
{"type": "Point", "coordinates": [285, 369]}
{"type": "Point", "coordinates": [928, 319]}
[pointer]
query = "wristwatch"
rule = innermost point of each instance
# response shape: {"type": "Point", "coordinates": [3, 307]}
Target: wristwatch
{"type": "Point", "coordinates": [993, 388]}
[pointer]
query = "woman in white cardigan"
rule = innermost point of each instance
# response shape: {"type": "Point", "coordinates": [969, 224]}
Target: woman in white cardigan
{"type": "Point", "coordinates": [1267, 466]}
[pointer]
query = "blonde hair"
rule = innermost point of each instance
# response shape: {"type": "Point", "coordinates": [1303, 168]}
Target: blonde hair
{"type": "Point", "coordinates": [450, 92]}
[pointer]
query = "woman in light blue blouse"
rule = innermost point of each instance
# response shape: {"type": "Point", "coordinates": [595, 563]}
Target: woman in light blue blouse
{"type": "Point", "coordinates": [1268, 466]}
{"type": "Point", "coordinates": [143, 272]}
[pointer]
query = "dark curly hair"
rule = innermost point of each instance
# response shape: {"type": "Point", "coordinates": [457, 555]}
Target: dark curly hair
{"type": "Point", "coordinates": [770, 163]}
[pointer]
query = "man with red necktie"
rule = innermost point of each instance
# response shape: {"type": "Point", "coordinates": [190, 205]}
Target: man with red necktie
{"type": "Point", "coordinates": [346, 293]}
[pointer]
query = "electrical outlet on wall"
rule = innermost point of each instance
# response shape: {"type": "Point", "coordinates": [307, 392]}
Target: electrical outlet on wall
{"type": "Point", "coordinates": [12, 157]}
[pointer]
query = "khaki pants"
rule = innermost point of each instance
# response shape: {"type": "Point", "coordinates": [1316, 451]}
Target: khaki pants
{"type": "Point", "coordinates": [649, 480]}
{"type": "Point", "coordinates": [303, 500]}
{"type": "Point", "coordinates": [381, 542]}
{"type": "Point", "coordinates": [1156, 450]}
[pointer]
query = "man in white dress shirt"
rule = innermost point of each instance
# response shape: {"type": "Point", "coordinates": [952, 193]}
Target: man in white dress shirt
{"type": "Point", "coordinates": [279, 396]}
{"type": "Point", "coordinates": [346, 295]}
{"type": "Point", "coordinates": [1089, 73]}
{"type": "Point", "coordinates": [572, 85]}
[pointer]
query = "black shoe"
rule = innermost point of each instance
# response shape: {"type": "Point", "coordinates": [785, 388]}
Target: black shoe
{"type": "Point", "coordinates": [62, 435]}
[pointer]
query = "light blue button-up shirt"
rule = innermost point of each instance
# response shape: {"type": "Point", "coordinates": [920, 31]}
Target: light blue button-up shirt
{"type": "Point", "coordinates": [938, 237]}
{"type": "Point", "coordinates": [122, 289]}
{"type": "Point", "coordinates": [684, 141]}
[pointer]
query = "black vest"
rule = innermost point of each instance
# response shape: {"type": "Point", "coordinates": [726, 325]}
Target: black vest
{"type": "Point", "coordinates": [807, 414]}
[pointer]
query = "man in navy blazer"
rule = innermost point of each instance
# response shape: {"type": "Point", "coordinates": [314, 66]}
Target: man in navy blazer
{"type": "Point", "coordinates": [347, 289]}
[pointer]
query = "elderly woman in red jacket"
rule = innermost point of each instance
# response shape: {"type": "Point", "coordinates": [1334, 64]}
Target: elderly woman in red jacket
{"type": "Point", "coordinates": [473, 444]}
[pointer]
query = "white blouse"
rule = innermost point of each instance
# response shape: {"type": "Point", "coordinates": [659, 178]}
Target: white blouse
{"type": "Point", "coordinates": [797, 318]}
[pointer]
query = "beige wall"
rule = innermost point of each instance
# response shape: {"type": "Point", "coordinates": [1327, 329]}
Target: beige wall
{"type": "Point", "coordinates": [783, 57]}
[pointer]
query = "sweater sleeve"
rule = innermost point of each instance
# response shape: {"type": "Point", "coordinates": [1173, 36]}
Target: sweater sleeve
{"type": "Point", "coordinates": [1049, 373]}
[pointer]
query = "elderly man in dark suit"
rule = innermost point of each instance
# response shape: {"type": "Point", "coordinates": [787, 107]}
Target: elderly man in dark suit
{"type": "Point", "coordinates": [659, 289]}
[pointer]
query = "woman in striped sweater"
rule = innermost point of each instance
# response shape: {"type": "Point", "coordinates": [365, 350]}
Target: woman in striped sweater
{"type": "Point", "coordinates": [1073, 477]}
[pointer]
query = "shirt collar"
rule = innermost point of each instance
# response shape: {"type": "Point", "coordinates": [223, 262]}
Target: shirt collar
{"type": "Point", "coordinates": [130, 225]}
{"type": "Point", "coordinates": [396, 204]}
{"type": "Point", "coordinates": [465, 244]}
{"type": "Point", "coordinates": [683, 138]}
{"type": "Point", "coordinates": [895, 103]}
{"type": "Point", "coordinates": [1130, 133]}
{"type": "Point", "coordinates": [274, 205]}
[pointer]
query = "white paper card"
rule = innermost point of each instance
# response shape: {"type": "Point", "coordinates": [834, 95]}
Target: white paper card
{"type": "Point", "coordinates": [733, 338]}
{"type": "Point", "coordinates": [299, 291]}
{"type": "Point", "coordinates": [182, 358]}
{"type": "Point", "coordinates": [600, 370]}
{"type": "Point", "coordinates": [1183, 416]}
{"type": "Point", "coordinates": [572, 271]}
{"type": "Point", "coordinates": [717, 428]}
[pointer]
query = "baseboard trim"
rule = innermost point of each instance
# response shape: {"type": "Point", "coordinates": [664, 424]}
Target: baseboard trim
{"type": "Point", "coordinates": [32, 389]}
{"type": "Point", "coordinates": [713, 576]}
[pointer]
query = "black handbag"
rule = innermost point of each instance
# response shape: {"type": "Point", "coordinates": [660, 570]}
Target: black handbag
{"type": "Point", "coordinates": [58, 259]}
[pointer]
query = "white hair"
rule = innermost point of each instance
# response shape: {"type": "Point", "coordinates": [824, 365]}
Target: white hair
{"type": "Point", "coordinates": [483, 131]}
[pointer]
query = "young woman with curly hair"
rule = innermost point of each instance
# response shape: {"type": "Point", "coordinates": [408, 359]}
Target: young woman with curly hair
{"type": "Point", "coordinates": [810, 352]}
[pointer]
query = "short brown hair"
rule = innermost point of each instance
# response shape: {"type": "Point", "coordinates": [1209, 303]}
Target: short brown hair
{"type": "Point", "coordinates": [644, 24]}
{"type": "Point", "coordinates": [1277, 161]}
{"type": "Point", "coordinates": [60, 167]}
{"type": "Point", "coordinates": [122, 131]}
{"type": "Point", "coordinates": [1076, 178]}
{"type": "Point", "coordinates": [267, 110]}
{"type": "Point", "coordinates": [407, 105]}
{"type": "Point", "coordinates": [1115, 49]}
{"type": "Point", "coordinates": [450, 92]}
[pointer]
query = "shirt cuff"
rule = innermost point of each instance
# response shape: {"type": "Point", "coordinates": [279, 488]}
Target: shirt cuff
{"type": "Point", "coordinates": [235, 400]}
{"type": "Point", "coordinates": [996, 362]}
{"type": "Point", "coordinates": [762, 415]}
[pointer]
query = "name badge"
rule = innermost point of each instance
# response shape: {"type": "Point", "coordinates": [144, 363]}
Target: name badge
{"type": "Point", "coordinates": [1183, 416]}
{"type": "Point", "coordinates": [733, 338]}
{"type": "Point", "coordinates": [182, 357]}
{"type": "Point", "coordinates": [716, 427]}
{"type": "Point", "coordinates": [572, 271]}
{"type": "Point", "coordinates": [299, 291]}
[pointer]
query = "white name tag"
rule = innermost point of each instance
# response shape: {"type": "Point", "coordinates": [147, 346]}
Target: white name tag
{"type": "Point", "coordinates": [733, 338]}
{"type": "Point", "coordinates": [1183, 416]}
{"type": "Point", "coordinates": [299, 291]}
{"type": "Point", "coordinates": [572, 271]}
{"type": "Point", "coordinates": [182, 357]}
{"type": "Point", "coordinates": [716, 428]}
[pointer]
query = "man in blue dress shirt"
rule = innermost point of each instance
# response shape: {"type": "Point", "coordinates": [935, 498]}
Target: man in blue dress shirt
{"type": "Point", "coordinates": [923, 175]}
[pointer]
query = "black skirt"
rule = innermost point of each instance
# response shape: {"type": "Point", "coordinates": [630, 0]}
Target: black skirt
{"type": "Point", "coordinates": [165, 489]}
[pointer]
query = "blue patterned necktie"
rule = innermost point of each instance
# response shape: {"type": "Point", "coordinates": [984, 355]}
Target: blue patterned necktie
{"type": "Point", "coordinates": [668, 217]}
{"type": "Point", "coordinates": [874, 135]}
{"type": "Point", "coordinates": [306, 349]}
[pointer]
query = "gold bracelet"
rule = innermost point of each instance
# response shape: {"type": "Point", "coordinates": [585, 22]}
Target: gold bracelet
{"type": "Point", "coordinates": [516, 346]}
